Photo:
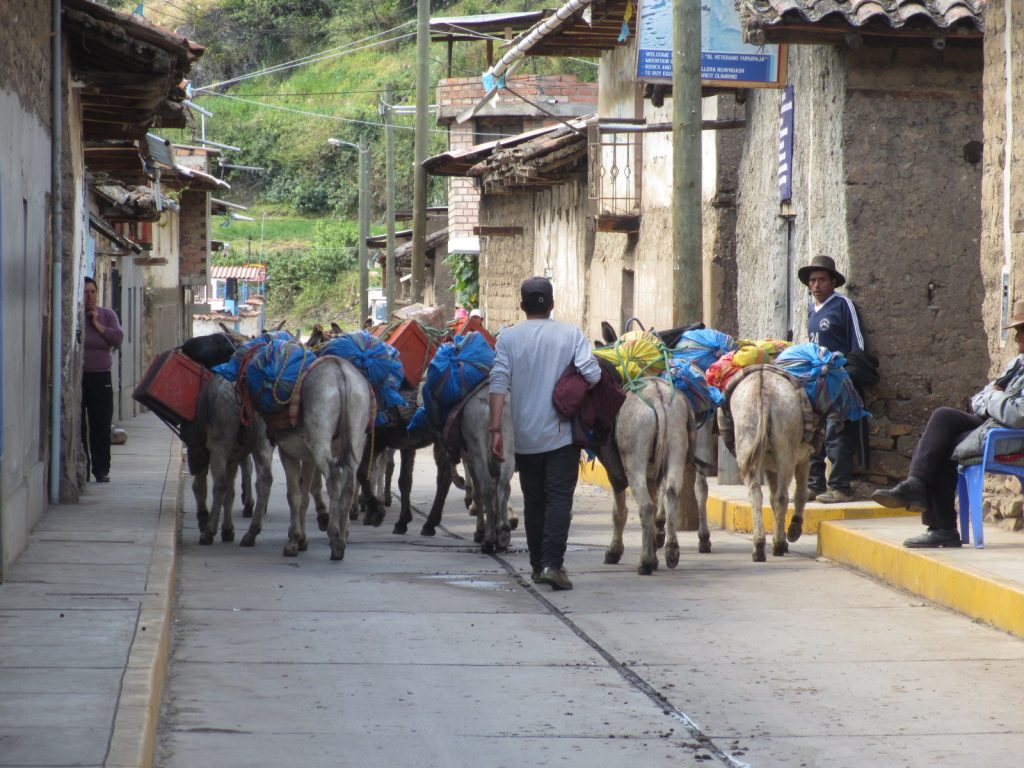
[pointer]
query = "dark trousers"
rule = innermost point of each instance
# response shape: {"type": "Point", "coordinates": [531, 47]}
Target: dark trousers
{"type": "Point", "coordinates": [97, 413]}
{"type": "Point", "coordinates": [548, 481]}
{"type": "Point", "coordinates": [839, 446]}
{"type": "Point", "coordinates": [932, 463]}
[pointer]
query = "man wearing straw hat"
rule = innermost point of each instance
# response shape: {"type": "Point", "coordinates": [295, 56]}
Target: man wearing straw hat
{"type": "Point", "coordinates": [832, 323]}
{"type": "Point", "coordinates": [952, 436]}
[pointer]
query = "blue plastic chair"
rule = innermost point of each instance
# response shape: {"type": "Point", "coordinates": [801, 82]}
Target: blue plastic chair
{"type": "Point", "coordinates": [970, 482]}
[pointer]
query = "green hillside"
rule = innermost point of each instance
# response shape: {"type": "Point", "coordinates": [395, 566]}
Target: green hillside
{"type": "Point", "coordinates": [329, 63]}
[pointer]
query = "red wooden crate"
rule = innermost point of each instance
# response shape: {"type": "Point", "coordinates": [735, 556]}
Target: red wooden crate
{"type": "Point", "coordinates": [415, 349]}
{"type": "Point", "coordinates": [171, 386]}
{"type": "Point", "coordinates": [468, 324]}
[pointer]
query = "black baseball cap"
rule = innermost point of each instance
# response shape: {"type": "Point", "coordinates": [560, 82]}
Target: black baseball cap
{"type": "Point", "coordinates": [537, 293]}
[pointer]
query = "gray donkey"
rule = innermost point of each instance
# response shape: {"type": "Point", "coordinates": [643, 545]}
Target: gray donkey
{"type": "Point", "coordinates": [651, 451]}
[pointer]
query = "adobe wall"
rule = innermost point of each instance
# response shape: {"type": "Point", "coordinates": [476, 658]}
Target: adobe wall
{"type": "Point", "coordinates": [507, 260]}
{"type": "Point", "coordinates": [884, 183]}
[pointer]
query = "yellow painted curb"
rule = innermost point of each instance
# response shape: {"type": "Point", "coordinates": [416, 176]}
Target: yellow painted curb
{"type": "Point", "coordinates": [733, 515]}
{"type": "Point", "coordinates": [993, 601]}
{"type": "Point", "coordinates": [133, 741]}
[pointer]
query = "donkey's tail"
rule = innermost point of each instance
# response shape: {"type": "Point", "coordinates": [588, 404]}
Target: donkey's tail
{"type": "Point", "coordinates": [754, 458]}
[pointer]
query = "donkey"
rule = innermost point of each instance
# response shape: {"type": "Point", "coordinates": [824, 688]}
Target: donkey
{"type": "Point", "coordinates": [651, 451]}
{"type": "Point", "coordinates": [770, 415]}
{"type": "Point", "coordinates": [225, 443]}
{"type": "Point", "coordinates": [336, 411]}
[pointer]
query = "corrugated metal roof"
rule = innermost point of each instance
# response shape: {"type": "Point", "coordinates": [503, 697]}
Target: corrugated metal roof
{"type": "Point", "coordinates": [250, 274]}
{"type": "Point", "coordinates": [482, 26]}
{"type": "Point", "coordinates": [810, 21]}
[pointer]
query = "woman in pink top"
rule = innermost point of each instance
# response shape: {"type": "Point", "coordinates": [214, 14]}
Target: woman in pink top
{"type": "Point", "coordinates": [102, 335]}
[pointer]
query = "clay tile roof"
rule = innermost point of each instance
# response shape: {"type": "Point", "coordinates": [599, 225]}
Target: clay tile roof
{"type": "Point", "coordinates": [823, 21]}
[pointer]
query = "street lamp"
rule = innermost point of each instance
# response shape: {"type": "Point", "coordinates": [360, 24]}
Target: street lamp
{"type": "Point", "coordinates": [364, 221]}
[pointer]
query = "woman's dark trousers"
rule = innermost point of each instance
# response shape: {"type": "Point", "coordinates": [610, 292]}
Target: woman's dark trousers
{"type": "Point", "coordinates": [548, 481]}
{"type": "Point", "coordinates": [98, 411]}
{"type": "Point", "coordinates": [932, 462]}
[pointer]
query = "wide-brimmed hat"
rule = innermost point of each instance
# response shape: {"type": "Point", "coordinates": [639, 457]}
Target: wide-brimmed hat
{"type": "Point", "coordinates": [1017, 318]}
{"type": "Point", "coordinates": [820, 261]}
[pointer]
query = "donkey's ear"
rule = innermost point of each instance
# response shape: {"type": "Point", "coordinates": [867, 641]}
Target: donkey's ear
{"type": "Point", "coordinates": [226, 330]}
{"type": "Point", "coordinates": [335, 328]}
{"type": "Point", "coordinates": [608, 333]}
{"type": "Point", "coordinates": [280, 326]}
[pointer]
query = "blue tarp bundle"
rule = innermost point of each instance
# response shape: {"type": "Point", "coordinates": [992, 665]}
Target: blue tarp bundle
{"type": "Point", "coordinates": [825, 380]}
{"type": "Point", "coordinates": [704, 346]}
{"type": "Point", "coordinates": [272, 372]}
{"type": "Point", "coordinates": [688, 379]}
{"type": "Point", "coordinates": [377, 361]}
{"type": "Point", "coordinates": [456, 370]}
{"type": "Point", "coordinates": [229, 370]}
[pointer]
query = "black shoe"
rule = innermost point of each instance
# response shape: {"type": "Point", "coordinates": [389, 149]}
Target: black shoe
{"type": "Point", "coordinates": [934, 537]}
{"type": "Point", "coordinates": [556, 577]}
{"type": "Point", "coordinates": [813, 493]}
{"type": "Point", "coordinates": [102, 478]}
{"type": "Point", "coordinates": [909, 494]}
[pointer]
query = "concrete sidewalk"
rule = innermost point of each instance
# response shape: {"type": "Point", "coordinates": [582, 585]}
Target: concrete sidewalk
{"type": "Point", "coordinates": [84, 616]}
{"type": "Point", "coordinates": [984, 584]}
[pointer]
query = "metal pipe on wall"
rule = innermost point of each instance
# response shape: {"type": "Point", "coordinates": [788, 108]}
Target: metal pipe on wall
{"type": "Point", "coordinates": [57, 246]}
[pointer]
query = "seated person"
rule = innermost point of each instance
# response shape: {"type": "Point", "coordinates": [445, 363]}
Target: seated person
{"type": "Point", "coordinates": [952, 436]}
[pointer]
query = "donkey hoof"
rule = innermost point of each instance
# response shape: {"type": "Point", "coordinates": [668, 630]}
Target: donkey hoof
{"type": "Point", "coordinates": [704, 545]}
{"type": "Point", "coordinates": [487, 548]}
{"type": "Point", "coordinates": [337, 550]}
{"type": "Point", "coordinates": [504, 538]}
{"type": "Point", "coordinates": [202, 518]}
{"type": "Point", "coordinates": [645, 569]}
{"type": "Point", "coordinates": [513, 522]}
{"type": "Point", "coordinates": [291, 549]}
{"type": "Point", "coordinates": [428, 530]}
{"type": "Point", "coordinates": [206, 538]}
{"type": "Point", "coordinates": [478, 537]}
{"type": "Point", "coordinates": [779, 548]}
{"type": "Point", "coordinates": [248, 540]}
{"type": "Point", "coordinates": [303, 544]}
{"type": "Point", "coordinates": [400, 528]}
{"type": "Point", "coordinates": [796, 528]}
{"type": "Point", "coordinates": [247, 510]}
{"type": "Point", "coordinates": [227, 534]}
{"type": "Point", "coordinates": [659, 540]}
{"type": "Point", "coordinates": [759, 552]}
{"type": "Point", "coordinates": [612, 558]}
{"type": "Point", "coordinates": [322, 521]}
{"type": "Point", "coordinates": [672, 556]}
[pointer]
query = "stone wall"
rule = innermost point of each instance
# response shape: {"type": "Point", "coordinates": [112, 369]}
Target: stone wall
{"type": "Point", "coordinates": [1002, 205]}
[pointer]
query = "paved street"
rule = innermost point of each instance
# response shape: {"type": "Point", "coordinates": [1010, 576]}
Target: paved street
{"type": "Point", "coordinates": [421, 650]}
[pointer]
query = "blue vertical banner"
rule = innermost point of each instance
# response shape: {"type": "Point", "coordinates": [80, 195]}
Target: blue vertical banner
{"type": "Point", "coordinates": [786, 146]}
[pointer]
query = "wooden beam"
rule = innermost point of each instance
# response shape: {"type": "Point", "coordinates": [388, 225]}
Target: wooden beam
{"type": "Point", "coordinates": [489, 231]}
{"type": "Point", "coordinates": [606, 223]}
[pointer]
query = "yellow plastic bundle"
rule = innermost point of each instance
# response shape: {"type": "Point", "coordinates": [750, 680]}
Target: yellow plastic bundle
{"type": "Point", "coordinates": [758, 352]}
{"type": "Point", "coordinates": [635, 354]}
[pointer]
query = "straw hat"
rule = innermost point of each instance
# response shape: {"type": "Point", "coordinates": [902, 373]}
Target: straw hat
{"type": "Point", "coordinates": [1017, 319]}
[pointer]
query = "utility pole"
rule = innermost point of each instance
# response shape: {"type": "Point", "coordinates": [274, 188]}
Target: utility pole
{"type": "Point", "coordinates": [419, 204]}
{"type": "Point", "coordinates": [364, 230]}
{"type": "Point", "coordinates": [687, 249]}
{"type": "Point", "coordinates": [389, 171]}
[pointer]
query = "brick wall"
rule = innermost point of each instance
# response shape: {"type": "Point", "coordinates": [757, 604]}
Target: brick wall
{"type": "Point", "coordinates": [194, 236]}
{"type": "Point", "coordinates": [467, 91]}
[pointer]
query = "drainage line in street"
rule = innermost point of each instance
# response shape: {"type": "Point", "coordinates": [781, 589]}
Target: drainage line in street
{"type": "Point", "coordinates": [627, 674]}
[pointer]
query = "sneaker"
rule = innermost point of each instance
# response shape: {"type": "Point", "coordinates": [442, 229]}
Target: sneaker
{"type": "Point", "coordinates": [834, 496]}
{"type": "Point", "coordinates": [935, 537]}
{"type": "Point", "coordinates": [102, 478]}
{"type": "Point", "coordinates": [909, 494]}
{"type": "Point", "coordinates": [556, 577]}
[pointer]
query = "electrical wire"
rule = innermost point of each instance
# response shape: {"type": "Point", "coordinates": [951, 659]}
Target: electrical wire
{"type": "Point", "coordinates": [329, 53]}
